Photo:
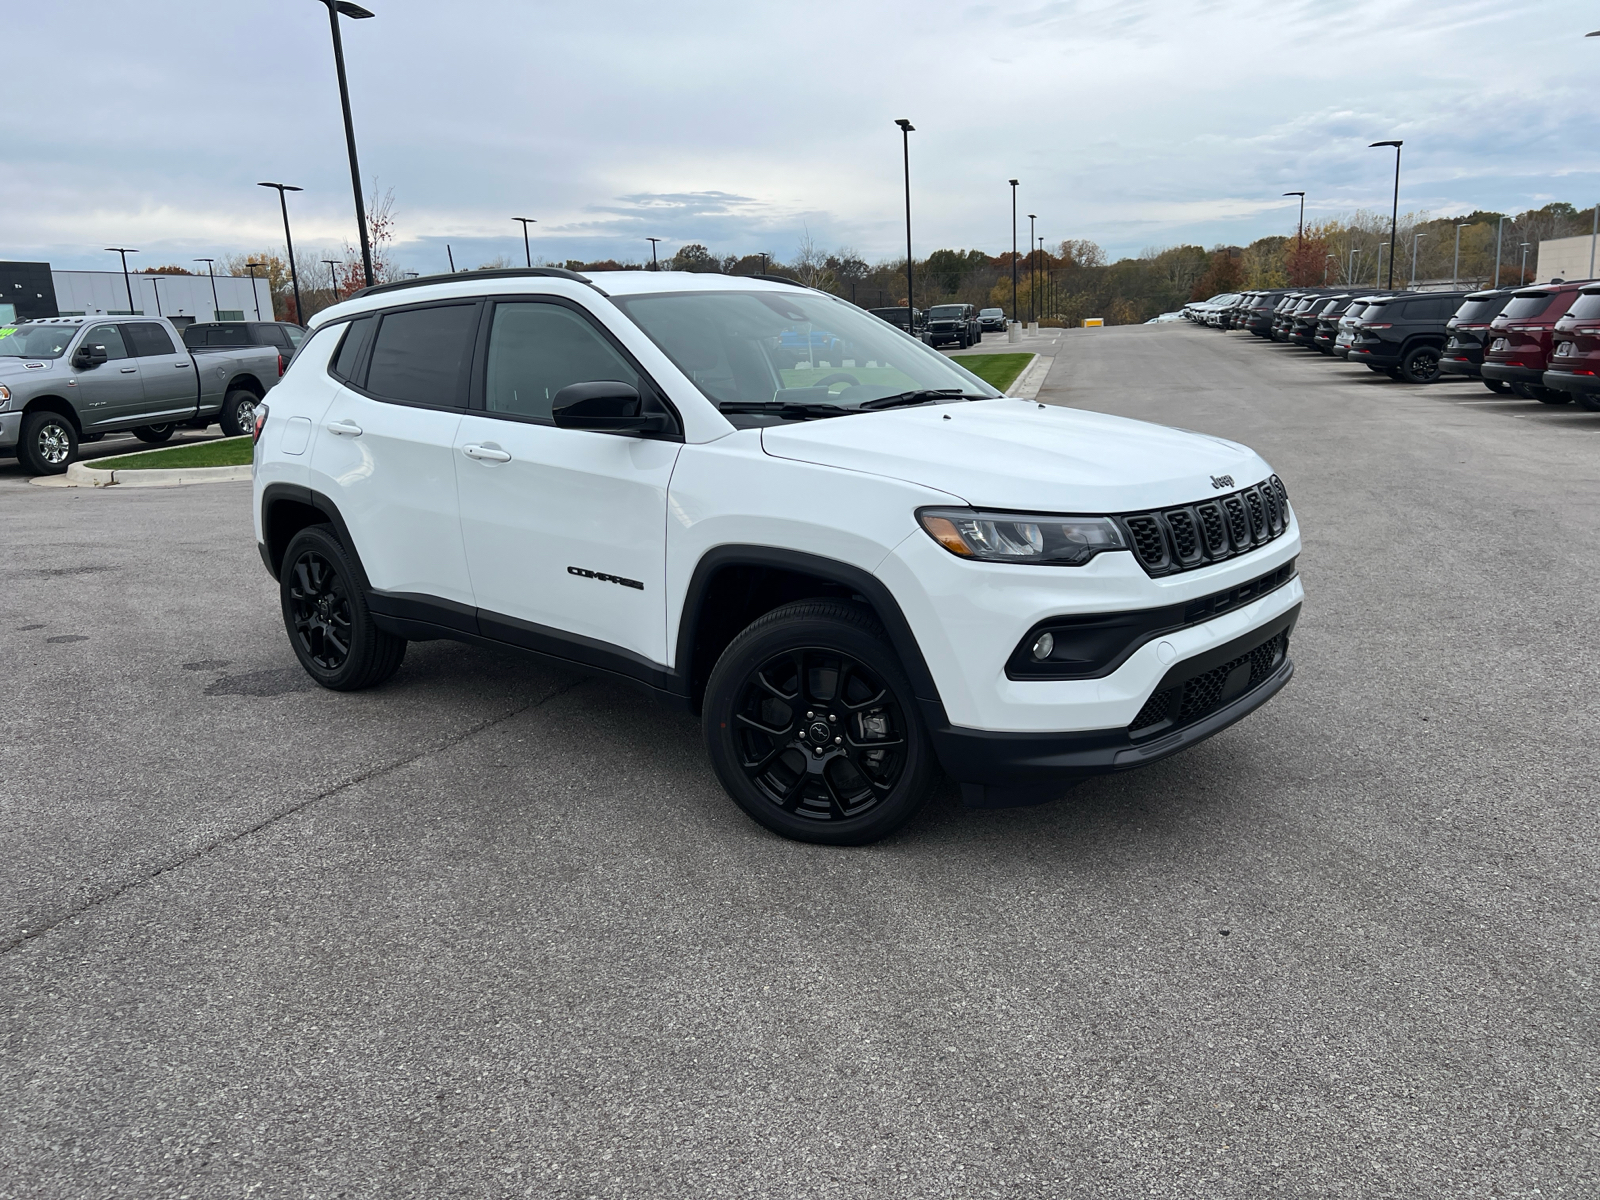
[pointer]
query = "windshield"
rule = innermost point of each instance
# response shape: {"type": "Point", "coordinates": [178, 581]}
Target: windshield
{"type": "Point", "coordinates": [991, 312]}
{"type": "Point", "coordinates": [35, 341]}
{"type": "Point", "coordinates": [766, 356]}
{"type": "Point", "coordinates": [946, 312]}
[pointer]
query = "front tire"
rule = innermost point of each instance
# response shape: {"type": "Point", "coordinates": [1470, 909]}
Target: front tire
{"type": "Point", "coordinates": [813, 729]}
{"type": "Point", "coordinates": [48, 444]}
{"type": "Point", "coordinates": [154, 434]}
{"type": "Point", "coordinates": [238, 415]}
{"type": "Point", "coordinates": [1420, 365]}
{"type": "Point", "coordinates": [326, 616]}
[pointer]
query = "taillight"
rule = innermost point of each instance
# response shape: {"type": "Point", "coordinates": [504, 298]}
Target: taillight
{"type": "Point", "coordinates": [1378, 326]}
{"type": "Point", "coordinates": [261, 420]}
{"type": "Point", "coordinates": [280, 366]}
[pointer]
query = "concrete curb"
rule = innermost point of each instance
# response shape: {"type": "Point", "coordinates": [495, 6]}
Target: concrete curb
{"type": "Point", "coordinates": [83, 475]}
{"type": "Point", "coordinates": [1027, 384]}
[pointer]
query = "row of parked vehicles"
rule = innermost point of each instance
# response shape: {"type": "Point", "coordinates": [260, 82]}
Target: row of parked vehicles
{"type": "Point", "coordinates": [1540, 342]}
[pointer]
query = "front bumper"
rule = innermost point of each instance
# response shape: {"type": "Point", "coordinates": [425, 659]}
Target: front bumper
{"type": "Point", "coordinates": [1509, 373]}
{"type": "Point", "coordinates": [1005, 770]}
{"type": "Point", "coordinates": [10, 429]}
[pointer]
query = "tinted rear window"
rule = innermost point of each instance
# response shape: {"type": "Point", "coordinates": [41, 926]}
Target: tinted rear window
{"type": "Point", "coordinates": [147, 340]}
{"type": "Point", "coordinates": [1477, 311]}
{"type": "Point", "coordinates": [420, 356]}
{"type": "Point", "coordinates": [1522, 307]}
{"type": "Point", "coordinates": [1586, 307]}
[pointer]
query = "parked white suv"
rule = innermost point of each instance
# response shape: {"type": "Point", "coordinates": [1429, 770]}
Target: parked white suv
{"type": "Point", "coordinates": [857, 569]}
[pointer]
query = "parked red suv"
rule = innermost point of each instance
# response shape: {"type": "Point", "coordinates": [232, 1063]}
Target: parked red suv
{"type": "Point", "coordinates": [1521, 337]}
{"type": "Point", "coordinates": [1575, 364]}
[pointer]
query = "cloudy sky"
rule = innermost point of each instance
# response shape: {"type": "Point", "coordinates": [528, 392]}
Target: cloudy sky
{"type": "Point", "coordinates": [747, 125]}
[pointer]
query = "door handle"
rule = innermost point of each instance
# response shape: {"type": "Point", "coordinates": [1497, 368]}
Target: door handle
{"type": "Point", "coordinates": [485, 453]}
{"type": "Point", "coordinates": [347, 428]}
{"type": "Point", "coordinates": [129, 370]}
{"type": "Point", "coordinates": [180, 366]}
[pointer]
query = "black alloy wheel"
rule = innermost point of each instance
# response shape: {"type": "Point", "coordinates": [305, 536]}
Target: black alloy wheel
{"type": "Point", "coordinates": [812, 728]}
{"type": "Point", "coordinates": [1420, 365]}
{"type": "Point", "coordinates": [48, 444]}
{"type": "Point", "coordinates": [325, 614]}
{"type": "Point", "coordinates": [238, 415]}
{"type": "Point", "coordinates": [154, 434]}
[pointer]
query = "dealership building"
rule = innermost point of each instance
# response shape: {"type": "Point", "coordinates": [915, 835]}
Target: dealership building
{"type": "Point", "coordinates": [29, 290]}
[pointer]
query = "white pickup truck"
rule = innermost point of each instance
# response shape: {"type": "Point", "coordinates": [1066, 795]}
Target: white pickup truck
{"type": "Point", "coordinates": [69, 380]}
{"type": "Point", "coordinates": [859, 569]}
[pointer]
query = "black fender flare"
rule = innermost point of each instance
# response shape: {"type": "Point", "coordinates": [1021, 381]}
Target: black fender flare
{"type": "Point", "coordinates": [863, 582]}
{"type": "Point", "coordinates": [300, 494]}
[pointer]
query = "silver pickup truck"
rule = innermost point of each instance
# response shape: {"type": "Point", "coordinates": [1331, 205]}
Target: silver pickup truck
{"type": "Point", "coordinates": [68, 380]}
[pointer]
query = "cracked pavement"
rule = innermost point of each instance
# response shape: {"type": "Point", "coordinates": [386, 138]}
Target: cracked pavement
{"type": "Point", "coordinates": [493, 929]}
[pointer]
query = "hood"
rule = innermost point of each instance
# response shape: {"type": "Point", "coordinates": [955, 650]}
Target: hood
{"type": "Point", "coordinates": [10, 365]}
{"type": "Point", "coordinates": [1018, 454]}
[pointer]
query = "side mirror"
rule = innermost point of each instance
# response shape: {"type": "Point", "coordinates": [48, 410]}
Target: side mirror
{"type": "Point", "coordinates": [605, 406]}
{"type": "Point", "coordinates": [90, 356]}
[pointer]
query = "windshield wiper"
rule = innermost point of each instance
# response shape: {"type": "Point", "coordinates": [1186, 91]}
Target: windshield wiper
{"type": "Point", "coordinates": [924, 396]}
{"type": "Point", "coordinates": [784, 408]}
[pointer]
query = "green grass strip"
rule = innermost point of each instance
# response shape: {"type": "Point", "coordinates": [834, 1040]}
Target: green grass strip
{"type": "Point", "coordinates": [223, 452]}
{"type": "Point", "coordinates": [1001, 370]}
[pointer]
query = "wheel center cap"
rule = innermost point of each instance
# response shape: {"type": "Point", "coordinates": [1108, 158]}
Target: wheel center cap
{"type": "Point", "coordinates": [820, 732]}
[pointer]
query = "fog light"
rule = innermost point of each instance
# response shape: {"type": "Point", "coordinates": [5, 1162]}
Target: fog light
{"type": "Point", "coordinates": [1043, 646]}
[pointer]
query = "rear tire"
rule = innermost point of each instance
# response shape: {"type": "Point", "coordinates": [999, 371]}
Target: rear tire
{"type": "Point", "coordinates": [48, 443]}
{"type": "Point", "coordinates": [813, 729]}
{"type": "Point", "coordinates": [325, 614]}
{"type": "Point", "coordinates": [154, 434]}
{"type": "Point", "coordinates": [1420, 365]}
{"type": "Point", "coordinates": [238, 415]}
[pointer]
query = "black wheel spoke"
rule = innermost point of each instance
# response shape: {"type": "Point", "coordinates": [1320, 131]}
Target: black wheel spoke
{"type": "Point", "coordinates": [766, 729]}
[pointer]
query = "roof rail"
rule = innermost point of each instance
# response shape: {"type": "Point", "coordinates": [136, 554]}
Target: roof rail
{"type": "Point", "coordinates": [496, 273]}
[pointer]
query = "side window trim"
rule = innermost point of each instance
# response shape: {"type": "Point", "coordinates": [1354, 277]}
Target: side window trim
{"type": "Point", "coordinates": [477, 399]}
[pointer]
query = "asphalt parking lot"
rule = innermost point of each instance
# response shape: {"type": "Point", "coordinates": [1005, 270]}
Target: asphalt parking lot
{"type": "Point", "coordinates": [494, 930]}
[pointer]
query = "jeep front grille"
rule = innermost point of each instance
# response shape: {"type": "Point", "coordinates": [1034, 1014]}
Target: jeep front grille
{"type": "Point", "coordinates": [1197, 535]}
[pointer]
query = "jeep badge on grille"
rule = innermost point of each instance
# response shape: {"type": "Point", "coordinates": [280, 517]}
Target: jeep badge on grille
{"type": "Point", "coordinates": [1221, 481]}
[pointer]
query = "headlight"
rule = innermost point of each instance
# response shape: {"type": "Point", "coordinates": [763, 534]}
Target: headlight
{"type": "Point", "coordinates": [5, 396]}
{"type": "Point", "coordinates": [1021, 537]}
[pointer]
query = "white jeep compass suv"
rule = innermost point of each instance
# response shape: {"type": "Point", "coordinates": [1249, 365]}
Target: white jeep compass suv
{"type": "Point", "coordinates": [858, 569]}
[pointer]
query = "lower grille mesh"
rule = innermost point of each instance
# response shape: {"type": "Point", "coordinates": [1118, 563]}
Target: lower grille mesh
{"type": "Point", "coordinates": [1199, 697]}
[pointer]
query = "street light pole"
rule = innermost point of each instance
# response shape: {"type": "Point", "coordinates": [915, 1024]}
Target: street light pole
{"type": "Point", "coordinates": [1325, 259]}
{"type": "Point", "coordinates": [1041, 273]}
{"type": "Point", "coordinates": [1300, 237]}
{"type": "Point", "coordinates": [294, 278]}
{"type": "Point", "coordinates": [215, 303]}
{"type": "Point", "coordinates": [654, 264]}
{"type": "Point", "coordinates": [1455, 271]}
{"type": "Point", "coordinates": [1013, 251]}
{"type": "Point", "coordinates": [357, 13]}
{"type": "Point", "coordinates": [1033, 280]}
{"type": "Point", "coordinates": [1355, 250]}
{"type": "Point", "coordinates": [526, 221]}
{"type": "Point", "coordinates": [124, 252]}
{"type": "Point", "coordinates": [1499, 236]}
{"type": "Point", "coordinates": [1415, 238]}
{"type": "Point", "coordinates": [1394, 216]}
{"type": "Point", "coordinates": [254, 295]}
{"type": "Point", "coordinates": [154, 279]}
{"type": "Point", "coordinates": [906, 130]}
{"type": "Point", "coordinates": [1522, 271]}
{"type": "Point", "coordinates": [333, 276]}
{"type": "Point", "coordinates": [1377, 279]}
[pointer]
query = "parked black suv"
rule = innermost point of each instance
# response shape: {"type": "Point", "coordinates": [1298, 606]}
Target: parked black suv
{"type": "Point", "coordinates": [897, 317]}
{"type": "Point", "coordinates": [956, 323]}
{"type": "Point", "coordinates": [1257, 318]}
{"type": "Point", "coordinates": [1327, 323]}
{"type": "Point", "coordinates": [1303, 325]}
{"type": "Point", "coordinates": [1469, 337]}
{"type": "Point", "coordinates": [280, 335]}
{"type": "Point", "coordinates": [1404, 335]}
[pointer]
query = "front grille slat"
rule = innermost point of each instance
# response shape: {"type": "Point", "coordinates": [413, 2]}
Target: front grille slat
{"type": "Point", "coordinates": [1182, 539]}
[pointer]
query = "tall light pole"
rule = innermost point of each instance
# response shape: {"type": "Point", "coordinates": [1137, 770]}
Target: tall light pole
{"type": "Point", "coordinates": [154, 279]}
{"type": "Point", "coordinates": [1300, 235]}
{"type": "Point", "coordinates": [215, 303]}
{"type": "Point", "coordinates": [254, 295]}
{"type": "Point", "coordinates": [906, 130]}
{"type": "Point", "coordinates": [1377, 278]}
{"type": "Point", "coordinates": [1033, 280]}
{"type": "Point", "coordinates": [1415, 238]}
{"type": "Point", "coordinates": [1354, 250]}
{"type": "Point", "coordinates": [1325, 259]}
{"type": "Point", "coordinates": [1593, 238]}
{"type": "Point", "coordinates": [1394, 216]}
{"type": "Point", "coordinates": [1043, 276]}
{"type": "Point", "coordinates": [124, 251]}
{"type": "Point", "coordinates": [526, 252]}
{"type": "Point", "coordinates": [1499, 237]}
{"type": "Point", "coordinates": [333, 276]}
{"type": "Point", "coordinates": [294, 278]}
{"type": "Point", "coordinates": [1455, 271]}
{"type": "Point", "coordinates": [654, 265]}
{"type": "Point", "coordinates": [1013, 250]}
{"type": "Point", "coordinates": [356, 13]}
{"type": "Point", "coordinates": [1522, 271]}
